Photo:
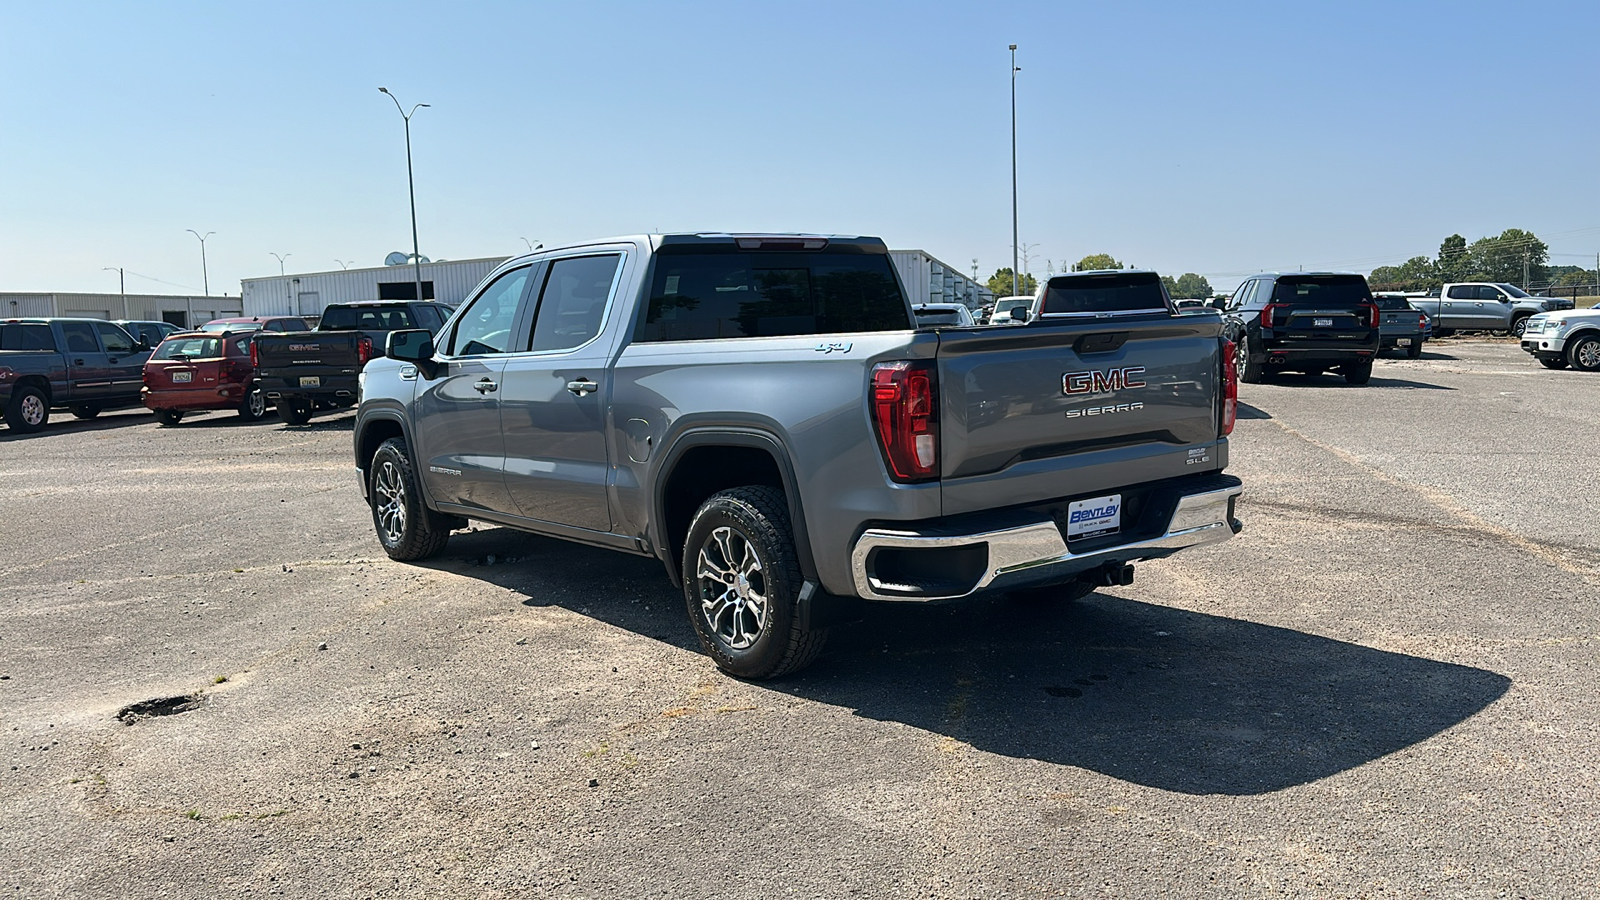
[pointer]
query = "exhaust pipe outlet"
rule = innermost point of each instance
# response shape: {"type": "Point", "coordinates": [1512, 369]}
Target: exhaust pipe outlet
{"type": "Point", "coordinates": [1278, 360]}
{"type": "Point", "coordinates": [1116, 575]}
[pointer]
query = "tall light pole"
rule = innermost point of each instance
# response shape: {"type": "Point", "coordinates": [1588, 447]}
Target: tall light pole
{"type": "Point", "coordinates": [1014, 239]}
{"type": "Point", "coordinates": [205, 277]}
{"type": "Point", "coordinates": [531, 247]}
{"type": "Point", "coordinates": [416, 250]}
{"type": "Point", "coordinates": [342, 264]}
{"type": "Point", "coordinates": [280, 260]}
{"type": "Point", "coordinates": [122, 286]}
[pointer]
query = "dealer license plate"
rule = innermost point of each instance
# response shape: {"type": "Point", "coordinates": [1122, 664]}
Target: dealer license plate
{"type": "Point", "coordinates": [182, 377]}
{"type": "Point", "coordinates": [311, 381]}
{"type": "Point", "coordinates": [1321, 323]}
{"type": "Point", "coordinates": [1402, 342]}
{"type": "Point", "coordinates": [1094, 517]}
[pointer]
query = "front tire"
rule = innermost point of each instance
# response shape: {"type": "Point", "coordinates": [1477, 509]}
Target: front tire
{"type": "Point", "coordinates": [1584, 353]}
{"type": "Point", "coordinates": [741, 584]}
{"type": "Point", "coordinates": [1358, 373]}
{"type": "Point", "coordinates": [407, 528]}
{"type": "Point", "coordinates": [254, 407]}
{"type": "Point", "coordinates": [294, 411]}
{"type": "Point", "coordinates": [29, 411]}
{"type": "Point", "coordinates": [168, 417]}
{"type": "Point", "coordinates": [85, 411]}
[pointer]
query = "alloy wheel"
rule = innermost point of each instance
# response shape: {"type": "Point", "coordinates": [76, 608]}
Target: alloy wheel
{"type": "Point", "coordinates": [258, 403]}
{"type": "Point", "coordinates": [1589, 355]}
{"type": "Point", "coordinates": [389, 492]}
{"type": "Point", "coordinates": [33, 410]}
{"type": "Point", "coordinates": [732, 585]}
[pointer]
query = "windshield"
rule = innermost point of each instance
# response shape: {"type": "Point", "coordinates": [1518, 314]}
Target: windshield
{"type": "Point", "coordinates": [189, 348]}
{"type": "Point", "coordinates": [1513, 290]}
{"type": "Point", "coordinates": [366, 318]}
{"type": "Point", "coordinates": [1113, 292]}
{"type": "Point", "coordinates": [1322, 290]}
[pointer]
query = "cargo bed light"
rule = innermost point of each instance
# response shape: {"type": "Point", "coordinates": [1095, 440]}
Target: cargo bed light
{"type": "Point", "coordinates": [781, 242]}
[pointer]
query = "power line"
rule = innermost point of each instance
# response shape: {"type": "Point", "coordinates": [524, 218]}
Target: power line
{"type": "Point", "coordinates": [159, 281]}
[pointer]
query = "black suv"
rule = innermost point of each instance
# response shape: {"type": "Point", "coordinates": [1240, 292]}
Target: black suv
{"type": "Point", "coordinates": [1303, 322]}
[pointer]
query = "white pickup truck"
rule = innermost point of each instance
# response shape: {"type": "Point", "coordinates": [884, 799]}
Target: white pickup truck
{"type": "Point", "coordinates": [1483, 306]}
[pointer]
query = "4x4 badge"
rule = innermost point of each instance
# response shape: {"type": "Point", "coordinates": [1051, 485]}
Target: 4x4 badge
{"type": "Point", "coordinates": [833, 348]}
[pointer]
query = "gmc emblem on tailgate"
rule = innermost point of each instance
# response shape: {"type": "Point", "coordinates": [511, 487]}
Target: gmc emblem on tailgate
{"type": "Point", "coordinates": [1100, 382]}
{"type": "Point", "coordinates": [301, 348]}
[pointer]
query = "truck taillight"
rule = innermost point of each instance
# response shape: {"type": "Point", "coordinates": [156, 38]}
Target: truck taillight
{"type": "Point", "coordinates": [255, 356]}
{"type": "Point", "coordinates": [1422, 320]}
{"type": "Point", "coordinates": [1230, 388]}
{"type": "Point", "coordinates": [905, 407]}
{"type": "Point", "coordinates": [363, 350]}
{"type": "Point", "coordinates": [1269, 310]}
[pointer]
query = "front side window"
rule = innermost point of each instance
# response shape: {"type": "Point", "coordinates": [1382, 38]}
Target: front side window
{"type": "Point", "coordinates": [115, 339]}
{"type": "Point", "coordinates": [698, 296]}
{"type": "Point", "coordinates": [1486, 292]}
{"type": "Point", "coordinates": [486, 325]}
{"type": "Point", "coordinates": [573, 305]}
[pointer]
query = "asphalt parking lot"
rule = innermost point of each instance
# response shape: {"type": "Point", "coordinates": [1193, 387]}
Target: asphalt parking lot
{"type": "Point", "coordinates": [1384, 687]}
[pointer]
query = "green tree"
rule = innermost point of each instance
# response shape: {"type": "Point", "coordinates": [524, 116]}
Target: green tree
{"type": "Point", "coordinates": [1187, 286]}
{"type": "Point", "coordinates": [1454, 263]}
{"type": "Point", "coordinates": [1096, 261]}
{"type": "Point", "coordinates": [1385, 278]}
{"type": "Point", "coordinates": [1507, 257]}
{"type": "Point", "coordinates": [1575, 276]}
{"type": "Point", "coordinates": [999, 284]}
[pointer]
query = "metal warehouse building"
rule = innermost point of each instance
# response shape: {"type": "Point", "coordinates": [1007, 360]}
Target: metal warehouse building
{"type": "Point", "coordinates": [184, 312]}
{"type": "Point", "coordinates": [927, 280]}
{"type": "Point", "coordinates": [448, 281]}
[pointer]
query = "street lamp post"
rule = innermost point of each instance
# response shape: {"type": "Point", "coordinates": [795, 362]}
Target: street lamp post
{"type": "Point", "coordinates": [122, 286]}
{"type": "Point", "coordinates": [411, 183]}
{"type": "Point", "coordinates": [280, 261]}
{"type": "Point", "coordinates": [205, 277]}
{"type": "Point", "coordinates": [1014, 239]}
{"type": "Point", "coordinates": [342, 264]}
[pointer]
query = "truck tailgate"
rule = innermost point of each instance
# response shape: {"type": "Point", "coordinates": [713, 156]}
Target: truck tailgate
{"type": "Point", "coordinates": [1061, 410]}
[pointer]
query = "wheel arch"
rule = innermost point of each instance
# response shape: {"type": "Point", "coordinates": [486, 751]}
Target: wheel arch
{"type": "Point", "coordinates": [371, 430]}
{"type": "Point", "coordinates": [703, 461]}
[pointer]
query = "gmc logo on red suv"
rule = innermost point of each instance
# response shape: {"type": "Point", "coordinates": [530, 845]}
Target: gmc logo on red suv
{"type": "Point", "coordinates": [1100, 382]}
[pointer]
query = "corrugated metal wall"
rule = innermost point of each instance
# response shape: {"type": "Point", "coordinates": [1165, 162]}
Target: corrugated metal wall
{"type": "Point", "coordinates": [282, 295]}
{"type": "Point", "coordinates": [196, 310]}
{"type": "Point", "coordinates": [928, 280]}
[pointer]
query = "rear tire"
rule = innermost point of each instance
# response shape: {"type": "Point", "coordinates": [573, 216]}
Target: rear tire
{"type": "Point", "coordinates": [1519, 326]}
{"type": "Point", "coordinates": [406, 527]}
{"type": "Point", "coordinates": [1358, 373]}
{"type": "Point", "coordinates": [168, 417]}
{"type": "Point", "coordinates": [1553, 363]}
{"type": "Point", "coordinates": [294, 411]}
{"type": "Point", "coordinates": [85, 411]}
{"type": "Point", "coordinates": [254, 406]}
{"type": "Point", "coordinates": [1415, 350]}
{"type": "Point", "coordinates": [741, 585]}
{"type": "Point", "coordinates": [1250, 372]}
{"type": "Point", "coordinates": [29, 411]}
{"type": "Point", "coordinates": [1584, 353]}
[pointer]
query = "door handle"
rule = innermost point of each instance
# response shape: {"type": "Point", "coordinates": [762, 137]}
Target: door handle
{"type": "Point", "coordinates": [582, 386]}
{"type": "Point", "coordinates": [484, 386]}
{"type": "Point", "coordinates": [77, 362]}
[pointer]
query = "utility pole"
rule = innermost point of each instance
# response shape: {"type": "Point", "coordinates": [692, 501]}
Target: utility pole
{"type": "Point", "coordinates": [1524, 270]}
{"type": "Point", "coordinates": [1014, 239]}
{"type": "Point", "coordinates": [122, 286]}
{"type": "Point", "coordinates": [975, 267]}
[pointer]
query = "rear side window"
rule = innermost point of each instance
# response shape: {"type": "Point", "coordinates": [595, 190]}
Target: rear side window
{"type": "Point", "coordinates": [699, 296]}
{"type": "Point", "coordinates": [26, 337]}
{"type": "Point", "coordinates": [574, 301]}
{"type": "Point", "coordinates": [1067, 295]}
{"type": "Point", "coordinates": [190, 348]}
{"type": "Point", "coordinates": [80, 337]}
{"type": "Point", "coordinates": [1463, 292]}
{"type": "Point", "coordinates": [1321, 290]}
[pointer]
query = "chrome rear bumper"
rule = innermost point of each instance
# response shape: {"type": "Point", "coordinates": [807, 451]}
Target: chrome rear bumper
{"type": "Point", "coordinates": [1035, 552]}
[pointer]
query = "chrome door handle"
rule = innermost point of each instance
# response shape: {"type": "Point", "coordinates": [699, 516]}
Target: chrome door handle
{"type": "Point", "coordinates": [582, 386]}
{"type": "Point", "coordinates": [485, 386]}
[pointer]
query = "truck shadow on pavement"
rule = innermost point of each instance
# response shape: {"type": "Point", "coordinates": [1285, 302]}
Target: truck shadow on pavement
{"type": "Point", "coordinates": [1168, 698]}
{"type": "Point", "coordinates": [1337, 381]}
{"type": "Point", "coordinates": [66, 423]}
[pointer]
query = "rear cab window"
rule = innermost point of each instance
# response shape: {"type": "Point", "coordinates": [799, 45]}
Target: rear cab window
{"type": "Point", "coordinates": [703, 293]}
{"type": "Point", "coordinates": [368, 318]}
{"type": "Point", "coordinates": [1333, 291]}
{"type": "Point", "coordinates": [1112, 292]}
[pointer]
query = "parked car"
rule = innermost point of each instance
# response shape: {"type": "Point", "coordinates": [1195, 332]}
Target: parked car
{"type": "Point", "coordinates": [1190, 306]}
{"type": "Point", "coordinates": [301, 370]}
{"type": "Point", "coordinates": [151, 331]}
{"type": "Point", "coordinates": [1401, 326]}
{"type": "Point", "coordinates": [85, 365]}
{"type": "Point", "coordinates": [205, 370]}
{"type": "Point", "coordinates": [238, 324]}
{"type": "Point", "coordinates": [759, 413]}
{"type": "Point", "coordinates": [1303, 322]}
{"type": "Point", "coordinates": [1010, 310]}
{"type": "Point", "coordinates": [1561, 339]}
{"type": "Point", "coordinates": [1484, 306]}
{"type": "Point", "coordinates": [931, 315]}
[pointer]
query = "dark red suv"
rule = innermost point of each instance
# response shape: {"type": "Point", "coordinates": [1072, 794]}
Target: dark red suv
{"type": "Point", "coordinates": [197, 371]}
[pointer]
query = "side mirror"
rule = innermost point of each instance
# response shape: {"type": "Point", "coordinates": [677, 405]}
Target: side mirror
{"type": "Point", "coordinates": [1020, 314]}
{"type": "Point", "coordinates": [411, 345]}
{"type": "Point", "coordinates": [144, 343]}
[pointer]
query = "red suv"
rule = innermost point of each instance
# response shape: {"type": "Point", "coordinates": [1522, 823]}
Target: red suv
{"type": "Point", "coordinates": [197, 371]}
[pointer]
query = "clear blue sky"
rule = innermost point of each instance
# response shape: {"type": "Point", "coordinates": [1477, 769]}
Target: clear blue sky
{"type": "Point", "coordinates": [1220, 139]}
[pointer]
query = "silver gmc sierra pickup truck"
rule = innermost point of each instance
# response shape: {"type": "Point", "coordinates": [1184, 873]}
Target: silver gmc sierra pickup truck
{"type": "Point", "coordinates": [761, 413]}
